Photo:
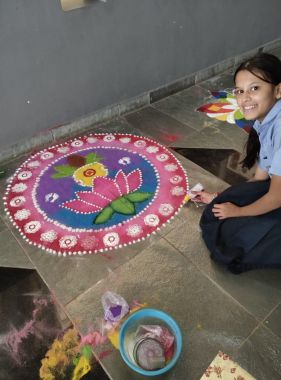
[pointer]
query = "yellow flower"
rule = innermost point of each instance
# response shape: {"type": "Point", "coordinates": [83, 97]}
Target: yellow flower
{"type": "Point", "coordinates": [59, 358]}
{"type": "Point", "coordinates": [86, 173]}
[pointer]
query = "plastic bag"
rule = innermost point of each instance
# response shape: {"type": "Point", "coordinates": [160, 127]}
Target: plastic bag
{"type": "Point", "coordinates": [114, 306]}
{"type": "Point", "coordinates": [160, 333]}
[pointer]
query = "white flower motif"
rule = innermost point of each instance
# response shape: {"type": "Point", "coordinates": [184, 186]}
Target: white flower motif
{"type": "Point", "coordinates": [134, 230]}
{"type": "Point", "coordinates": [109, 138]}
{"type": "Point", "coordinates": [124, 161]}
{"type": "Point", "coordinates": [176, 179]}
{"type": "Point", "coordinates": [89, 242]}
{"type": "Point", "coordinates": [76, 143]}
{"type": "Point", "coordinates": [91, 140]}
{"type": "Point", "coordinates": [125, 140]}
{"type": "Point", "coordinates": [22, 214]}
{"type": "Point", "coordinates": [32, 227]}
{"type": "Point", "coordinates": [33, 164]}
{"type": "Point", "coordinates": [46, 155]}
{"type": "Point", "coordinates": [63, 149]}
{"type": "Point", "coordinates": [23, 176]}
{"type": "Point", "coordinates": [171, 167]}
{"type": "Point", "coordinates": [178, 190]}
{"type": "Point", "coordinates": [140, 143]}
{"type": "Point", "coordinates": [68, 241]}
{"type": "Point", "coordinates": [166, 209]}
{"type": "Point", "coordinates": [17, 201]}
{"type": "Point", "coordinates": [19, 187]}
{"type": "Point", "coordinates": [152, 149]}
{"type": "Point", "coordinates": [162, 157]}
{"type": "Point", "coordinates": [49, 236]}
{"type": "Point", "coordinates": [111, 239]}
{"type": "Point", "coordinates": [151, 220]}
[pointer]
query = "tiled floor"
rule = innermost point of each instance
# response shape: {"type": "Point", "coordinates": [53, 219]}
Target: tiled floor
{"type": "Point", "coordinates": [171, 270]}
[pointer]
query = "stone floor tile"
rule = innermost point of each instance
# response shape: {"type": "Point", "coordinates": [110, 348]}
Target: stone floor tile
{"type": "Point", "coordinates": [260, 355]}
{"type": "Point", "coordinates": [210, 137]}
{"type": "Point", "coordinates": [164, 279]}
{"type": "Point", "coordinates": [2, 225]}
{"type": "Point", "coordinates": [30, 321]}
{"type": "Point", "coordinates": [259, 291]}
{"type": "Point", "coordinates": [154, 123]}
{"type": "Point", "coordinates": [11, 253]}
{"type": "Point", "coordinates": [68, 277]}
{"type": "Point", "coordinates": [219, 82]}
{"type": "Point", "coordinates": [273, 321]}
{"type": "Point", "coordinates": [182, 106]}
{"type": "Point", "coordinates": [119, 125]}
{"type": "Point", "coordinates": [196, 173]}
{"type": "Point", "coordinates": [222, 163]}
{"type": "Point", "coordinates": [237, 135]}
{"type": "Point", "coordinates": [9, 168]}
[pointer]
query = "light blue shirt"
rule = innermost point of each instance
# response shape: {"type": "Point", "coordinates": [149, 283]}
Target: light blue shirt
{"type": "Point", "coordinates": [269, 132]}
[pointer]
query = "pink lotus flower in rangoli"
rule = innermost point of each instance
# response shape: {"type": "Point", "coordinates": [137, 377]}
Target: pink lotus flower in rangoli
{"type": "Point", "coordinates": [110, 195]}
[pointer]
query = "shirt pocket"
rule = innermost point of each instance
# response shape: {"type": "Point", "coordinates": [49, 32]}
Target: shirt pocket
{"type": "Point", "coordinates": [265, 158]}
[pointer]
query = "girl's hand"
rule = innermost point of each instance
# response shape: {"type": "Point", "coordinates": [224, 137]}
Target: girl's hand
{"type": "Point", "coordinates": [226, 210]}
{"type": "Point", "coordinates": [204, 196]}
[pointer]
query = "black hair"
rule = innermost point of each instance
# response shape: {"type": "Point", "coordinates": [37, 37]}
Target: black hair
{"type": "Point", "coordinates": [266, 67]}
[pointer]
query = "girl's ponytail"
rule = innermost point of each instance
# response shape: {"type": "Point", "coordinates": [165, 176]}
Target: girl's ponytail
{"type": "Point", "coordinates": [252, 150]}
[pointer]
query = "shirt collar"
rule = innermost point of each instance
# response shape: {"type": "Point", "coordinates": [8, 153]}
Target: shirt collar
{"type": "Point", "coordinates": [269, 117]}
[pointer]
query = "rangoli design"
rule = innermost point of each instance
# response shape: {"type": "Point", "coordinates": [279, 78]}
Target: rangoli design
{"type": "Point", "coordinates": [224, 107]}
{"type": "Point", "coordinates": [95, 193]}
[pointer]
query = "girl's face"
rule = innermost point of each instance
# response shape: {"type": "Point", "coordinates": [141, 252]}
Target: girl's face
{"type": "Point", "coordinates": [255, 97]}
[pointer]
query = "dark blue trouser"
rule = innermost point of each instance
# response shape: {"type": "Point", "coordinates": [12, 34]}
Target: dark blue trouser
{"type": "Point", "coordinates": [246, 242]}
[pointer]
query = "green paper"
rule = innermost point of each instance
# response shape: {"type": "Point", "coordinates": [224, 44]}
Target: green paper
{"type": "Point", "coordinates": [87, 352]}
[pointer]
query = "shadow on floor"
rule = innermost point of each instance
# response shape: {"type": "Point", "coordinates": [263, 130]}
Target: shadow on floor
{"type": "Point", "coordinates": [30, 322]}
{"type": "Point", "coordinates": [223, 163]}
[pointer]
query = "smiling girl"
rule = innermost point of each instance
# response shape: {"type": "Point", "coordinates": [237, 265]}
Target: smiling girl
{"type": "Point", "coordinates": [242, 226]}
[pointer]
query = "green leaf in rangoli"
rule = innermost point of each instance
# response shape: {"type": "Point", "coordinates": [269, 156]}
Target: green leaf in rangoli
{"type": "Point", "coordinates": [123, 206]}
{"type": "Point", "coordinates": [104, 215]}
{"type": "Point", "coordinates": [63, 171]}
{"type": "Point", "coordinates": [138, 196]}
{"type": "Point", "coordinates": [92, 157]}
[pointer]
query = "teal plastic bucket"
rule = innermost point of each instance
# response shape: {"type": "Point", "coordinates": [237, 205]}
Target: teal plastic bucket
{"type": "Point", "coordinates": [148, 316]}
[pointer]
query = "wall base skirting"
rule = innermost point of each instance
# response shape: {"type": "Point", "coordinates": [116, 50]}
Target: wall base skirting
{"type": "Point", "coordinates": [87, 122]}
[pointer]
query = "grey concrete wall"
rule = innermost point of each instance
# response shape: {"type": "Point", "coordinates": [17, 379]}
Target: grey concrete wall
{"type": "Point", "coordinates": [57, 66]}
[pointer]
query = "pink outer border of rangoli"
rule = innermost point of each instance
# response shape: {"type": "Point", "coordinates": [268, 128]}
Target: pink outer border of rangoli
{"type": "Point", "coordinates": [21, 206]}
